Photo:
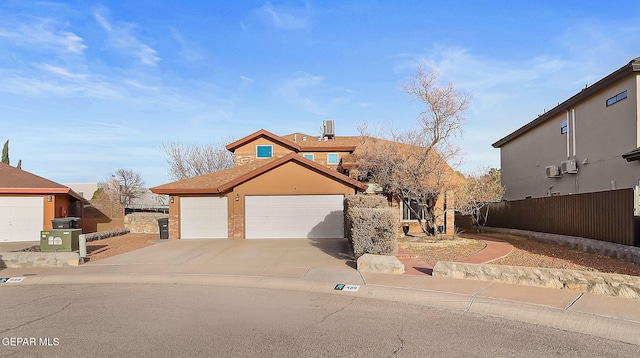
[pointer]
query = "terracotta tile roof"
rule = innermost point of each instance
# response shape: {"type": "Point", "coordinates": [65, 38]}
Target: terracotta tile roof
{"type": "Point", "coordinates": [225, 180]}
{"type": "Point", "coordinates": [312, 142]}
{"type": "Point", "coordinates": [18, 181]}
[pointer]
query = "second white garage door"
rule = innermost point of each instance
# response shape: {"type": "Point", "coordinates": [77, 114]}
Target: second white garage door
{"type": "Point", "coordinates": [21, 218]}
{"type": "Point", "coordinates": [295, 216]}
{"type": "Point", "coordinates": [204, 218]}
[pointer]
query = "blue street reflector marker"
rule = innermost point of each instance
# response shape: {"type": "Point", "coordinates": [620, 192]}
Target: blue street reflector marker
{"type": "Point", "coordinates": [345, 287]}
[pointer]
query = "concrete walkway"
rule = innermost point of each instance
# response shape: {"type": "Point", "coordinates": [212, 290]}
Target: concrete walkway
{"type": "Point", "coordinates": [495, 249]}
{"type": "Point", "coordinates": [319, 265]}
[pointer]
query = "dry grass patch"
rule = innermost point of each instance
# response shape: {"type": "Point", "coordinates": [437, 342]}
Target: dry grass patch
{"type": "Point", "coordinates": [432, 249]}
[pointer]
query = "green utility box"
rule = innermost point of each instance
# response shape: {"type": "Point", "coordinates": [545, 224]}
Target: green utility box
{"type": "Point", "coordinates": [60, 240]}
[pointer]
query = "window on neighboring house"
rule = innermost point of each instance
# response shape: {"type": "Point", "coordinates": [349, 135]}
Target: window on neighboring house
{"type": "Point", "coordinates": [564, 127]}
{"type": "Point", "coordinates": [332, 158]}
{"type": "Point", "coordinates": [617, 98]}
{"type": "Point", "coordinates": [264, 151]}
{"type": "Point", "coordinates": [308, 156]}
{"type": "Point", "coordinates": [408, 215]}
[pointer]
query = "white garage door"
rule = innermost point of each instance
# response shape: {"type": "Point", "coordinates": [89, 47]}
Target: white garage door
{"type": "Point", "coordinates": [292, 217]}
{"type": "Point", "coordinates": [204, 218]}
{"type": "Point", "coordinates": [21, 218]}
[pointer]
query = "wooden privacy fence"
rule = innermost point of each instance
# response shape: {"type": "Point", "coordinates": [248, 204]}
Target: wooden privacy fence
{"type": "Point", "coordinates": [605, 216]}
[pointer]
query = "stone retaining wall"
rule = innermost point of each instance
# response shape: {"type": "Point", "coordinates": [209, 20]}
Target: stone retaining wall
{"type": "Point", "coordinates": [38, 259]}
{"type": "Point", "coordinates": [143, 223]}
{"type": "Point", "coordinates": [618, 251]}
{"type": "Point", "coordinates": [581, 281]}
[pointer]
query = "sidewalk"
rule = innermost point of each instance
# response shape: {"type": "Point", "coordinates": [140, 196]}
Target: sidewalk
{"type": "Point", "coordinates": [318, 265]}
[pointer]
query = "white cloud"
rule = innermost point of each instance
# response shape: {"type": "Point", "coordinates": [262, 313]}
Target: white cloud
{"type": "Point", "coordinates": [284, 18]}
{"type": "Point", "coordinates": [62, 72]}
{"type": "Point", "coordinates": [188, 51]}
{"type": "Point", "coordinates": [121, 37]}
{"type": "Point", "coordinates": [43, 33]}
{"type": "Point", "coordinates": [296, 91]}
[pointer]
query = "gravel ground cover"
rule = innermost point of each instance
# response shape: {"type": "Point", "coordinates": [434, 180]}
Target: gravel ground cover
{"type": "Point", "coordinates": [101, 249]}
{"type": "Point", "coordinates": [525, 252]}
{"type": "Point", "coordinates": [536, 254]}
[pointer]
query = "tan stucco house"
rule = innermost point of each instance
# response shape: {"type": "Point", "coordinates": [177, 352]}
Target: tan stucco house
{"type": "Point", "coordinates": [588, 143]}
{"type": "Point", "coordinates": [29, 202]}
{"type": "Point", "coordinates": [290, 186]}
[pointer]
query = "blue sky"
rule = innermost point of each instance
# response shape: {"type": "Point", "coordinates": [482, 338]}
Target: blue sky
{"type": "Point", "coordinates": [90, 87]}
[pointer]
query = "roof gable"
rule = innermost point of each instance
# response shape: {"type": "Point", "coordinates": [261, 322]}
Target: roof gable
{"type": "Point", "coordinates": [225, 180]}
{"type": "Point", "coordinates": [263, 134]}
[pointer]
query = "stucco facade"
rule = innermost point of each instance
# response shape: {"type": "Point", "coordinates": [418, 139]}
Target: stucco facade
{"type": "Point", "coordinates": [278, 169]}
{"type": "Point", "coordinates": [592, 129]}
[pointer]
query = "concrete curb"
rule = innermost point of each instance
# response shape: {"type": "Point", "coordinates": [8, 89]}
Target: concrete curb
{"type": "Point", "coordinates": [573, 317]}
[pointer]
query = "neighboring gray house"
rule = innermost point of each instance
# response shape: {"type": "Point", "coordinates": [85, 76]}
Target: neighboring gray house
{"type": "Point", "coordinates": [590, 142]}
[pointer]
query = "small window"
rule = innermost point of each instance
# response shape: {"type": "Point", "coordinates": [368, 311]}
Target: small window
{"type": "Point", "coordinates": [564, 127]}
{"type": "Point", "coordinates": [617, 98]}
{"type": "Point", "coordinates": [308, 156]}
{"type": "Point", "coordinates": [264, 151]}
{"type": "Point", "coordinates": [332, 158]}
{"type": "Point", "coordinates": [408, 215]}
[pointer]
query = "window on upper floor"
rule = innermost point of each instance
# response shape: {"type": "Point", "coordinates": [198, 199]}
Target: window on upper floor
{"type": "Point", "coordinates": [617, 98]}
{"type": "Point", "coordinates": [333, 158]}
{"type": "Point", "coordinates": [264, 151]}
{"type": "Point", "coordinates": [308, 156]}
{"type": "Point", "coordinates": [564, 127]}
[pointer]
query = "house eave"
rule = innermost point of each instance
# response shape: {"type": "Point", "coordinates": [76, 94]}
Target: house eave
{"type": "Point", "coordinates": [626, 70]}
{"type": "Point", "coordinates": [41, 191]}
{"type": "Point", "coordinates": [632, 156]}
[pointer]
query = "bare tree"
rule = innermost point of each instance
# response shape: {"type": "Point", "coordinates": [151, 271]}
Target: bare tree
{"type": "Point", "coordinates": [481, 188]}
{"type": "Point", "coordinates": [123, 185]}
{"type": "Point", "coordinates": [189, 160]}
{"type": "Point", "coordinates": [416, 164]}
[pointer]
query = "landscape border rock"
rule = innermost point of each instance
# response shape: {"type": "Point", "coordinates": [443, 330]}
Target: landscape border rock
{"type": "Point", "coordinates": [581, 281]}
{"type": "Point", "coordinates": [380, 264]}
{"type": "Point", "coordinates": [105, 234]}
{"type": "Point", "coordinates": [618, 251]}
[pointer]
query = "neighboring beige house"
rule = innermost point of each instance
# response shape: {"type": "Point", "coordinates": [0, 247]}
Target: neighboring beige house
{"type": "Point", "coordinates": [281, 187]}
{"type": "Point", "coordinates": [588, 143]}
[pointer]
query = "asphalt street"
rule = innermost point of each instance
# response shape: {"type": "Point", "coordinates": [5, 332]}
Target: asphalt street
{"type": "Point", "coordinates": [177, 320]}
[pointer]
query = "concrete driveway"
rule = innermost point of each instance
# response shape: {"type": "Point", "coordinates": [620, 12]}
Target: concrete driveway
{"type": "Point", "coordinates": [309, 259]}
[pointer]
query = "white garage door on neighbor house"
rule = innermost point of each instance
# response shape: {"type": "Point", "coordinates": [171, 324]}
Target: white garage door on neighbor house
{"type": "Point", "coordinates": [204, 218]}
{"type": "Point", "coordinates": [294, 216]}
{"type": "Point", "coordinates": [21, 218]}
